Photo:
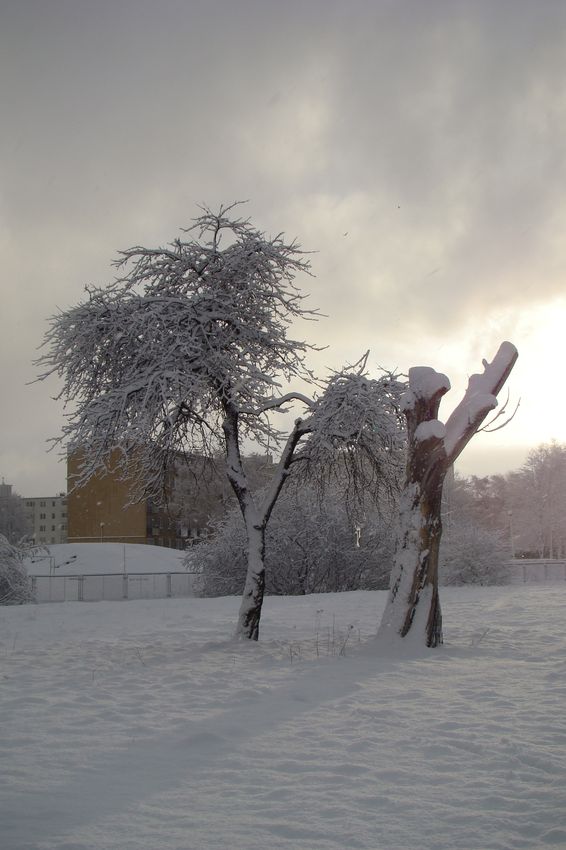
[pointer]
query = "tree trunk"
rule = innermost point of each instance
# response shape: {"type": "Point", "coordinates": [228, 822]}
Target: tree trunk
{"type": "Point", "coordinates": [425, 545]}
{"type": "Point", "coordinates": [252, 597]}
{"type": "Point", "coordinates": [255, 517]}
{"type": "Point", "coordinates": [413, 605]}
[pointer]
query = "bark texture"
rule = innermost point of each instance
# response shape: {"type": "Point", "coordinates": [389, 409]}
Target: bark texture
{"type": "Point", "coordinates": [255, 516]}
{"type": "Point", "coordinates": [427, 509]}
{"type": "Point", "coordinates": [414, 578]}
{"type": "Point", "coordinates": [254, 588]}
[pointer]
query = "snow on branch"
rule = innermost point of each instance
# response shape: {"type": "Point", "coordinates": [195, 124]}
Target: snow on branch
{"type": "Point", "coordinates": [357, 426]}
{"type": "Point", "coordinates": [279, 403]}
{"type": "Point", "coordinates": [188, 331]}
{"type": "Point", "coordinates": [15, 585]}
{"type": "Point", "coordinates": [431, 429]}
{"type": "Point", "coordinates": [424, 384]}
{"type": "Point", "coordinates": [479, 399]}
{"type": "Point", "coordinates": [353, 407]}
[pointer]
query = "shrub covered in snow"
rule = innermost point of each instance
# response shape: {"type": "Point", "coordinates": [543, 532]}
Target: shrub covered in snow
{"type": "Point", "coordinates": [313, 545]}
{"type": "Point", "coordinates": [470, 554]}
{"type": "Point", "coordinates": [15, 586]}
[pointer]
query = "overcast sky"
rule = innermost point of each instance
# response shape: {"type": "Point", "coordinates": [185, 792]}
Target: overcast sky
{"type": "Point", "coordinates": [418, 147]}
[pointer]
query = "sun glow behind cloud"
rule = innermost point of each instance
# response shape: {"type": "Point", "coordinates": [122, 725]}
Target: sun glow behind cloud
{"type": "Point", "coordinates": [539, 378]}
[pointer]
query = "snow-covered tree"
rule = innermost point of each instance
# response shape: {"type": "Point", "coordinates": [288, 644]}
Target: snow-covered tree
{"type": "Point", "coordinates": [15, 586]}
{"type": "Point", "coordinates": [538, 502]}
{"type": "Point", "coordinates": [413, 604]}
{"type": "Point", "coordinates": [471, 554]}
{"type": "Point", "coordinates": [189, 349]}
{"type": "Point", "coordinates": [14, 524]}
{"type": "Point", "coordinates": [315, 543]}
{"type": "Point", "coordinates": [489, 501]}
{"type": "Point", "coordinates": [525, 507]}
{"type": "Point", "coordinates": [476, 545]}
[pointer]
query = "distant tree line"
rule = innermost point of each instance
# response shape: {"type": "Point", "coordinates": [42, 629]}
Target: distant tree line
{"type": "Point", "coordinates": [525, 507]}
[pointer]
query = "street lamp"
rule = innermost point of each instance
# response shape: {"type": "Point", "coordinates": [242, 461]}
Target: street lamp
{"type": "Point", "coordinates": [511, 536]}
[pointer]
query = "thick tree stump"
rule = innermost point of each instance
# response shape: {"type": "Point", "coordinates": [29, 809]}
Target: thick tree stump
{"type": "Point", "coordinates": [413, 605]}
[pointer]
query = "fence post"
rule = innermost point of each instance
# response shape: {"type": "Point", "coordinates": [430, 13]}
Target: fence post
{"type": "Point", "coordinates": [168, 581]}
{"type": "Point", "coordinates": [80, 589]}
{"type": "Point", "coordinates": [125, 586]}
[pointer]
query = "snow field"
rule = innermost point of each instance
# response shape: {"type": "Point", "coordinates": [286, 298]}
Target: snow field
{"type": "Point", "coordinates": [142, 726]}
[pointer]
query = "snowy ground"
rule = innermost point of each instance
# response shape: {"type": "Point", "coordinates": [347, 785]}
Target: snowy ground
{"type": "Point", "coordinates": [141, 726]}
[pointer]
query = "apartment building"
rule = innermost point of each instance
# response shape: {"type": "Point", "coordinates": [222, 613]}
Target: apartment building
{"type": "Point", "coordinates": [47, 517]}
{"type": "Point", "coordinates": [198, 492]}
{"type": "Point", "coordinates": [101, 510]}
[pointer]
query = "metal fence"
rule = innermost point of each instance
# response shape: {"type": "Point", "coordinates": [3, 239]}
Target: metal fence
{"type": "Point", "coordinates": [536, 571]}
{"type": "Point", "coordinates": [120, 586]}
{"type": "Point", "coordinates": [111, 586]}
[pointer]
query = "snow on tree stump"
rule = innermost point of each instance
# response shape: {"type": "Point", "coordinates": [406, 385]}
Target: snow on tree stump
{"type": "Point", "coordinates": [413, 605]}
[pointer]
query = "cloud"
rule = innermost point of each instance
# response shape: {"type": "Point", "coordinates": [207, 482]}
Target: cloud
{"type": "Point", "coordinates": [417, 147]}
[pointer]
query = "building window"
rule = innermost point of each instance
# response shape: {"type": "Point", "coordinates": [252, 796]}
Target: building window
{"type": "Point", "coordinates": [42, 516]}
{"type": "Point", "coordinates": [52, 529]}
{"type": "Point", "coordinates": [42, 504]}
{"type": "Point", "coordinates": [42, 528]}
